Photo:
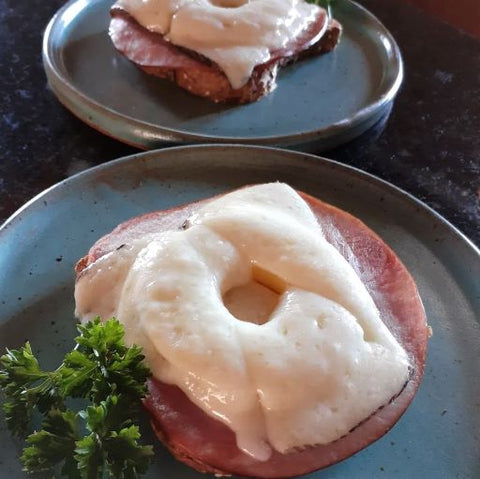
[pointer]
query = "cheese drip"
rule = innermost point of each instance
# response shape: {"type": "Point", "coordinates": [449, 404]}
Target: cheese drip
{"type": "Point", "coordinates": [235, 34]}
{"type": "Point", "coordinates": [323, 360]}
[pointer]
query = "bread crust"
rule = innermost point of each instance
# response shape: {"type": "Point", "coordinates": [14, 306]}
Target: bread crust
{"type": "Point", "coordinates": [199, 75]}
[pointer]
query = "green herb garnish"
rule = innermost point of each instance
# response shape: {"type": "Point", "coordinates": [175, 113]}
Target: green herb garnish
{"type": "Point", "coordinates": [101, 440]}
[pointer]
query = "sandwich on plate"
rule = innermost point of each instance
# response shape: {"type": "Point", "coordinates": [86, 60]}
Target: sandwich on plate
{"type": "Point", "coordinates": [283, 335]}
{"type": "Point", "coordinates": [223, 50]}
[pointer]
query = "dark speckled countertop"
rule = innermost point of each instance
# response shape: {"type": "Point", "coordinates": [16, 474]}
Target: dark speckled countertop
{"type": "Point", "coordinates": [429, 146]}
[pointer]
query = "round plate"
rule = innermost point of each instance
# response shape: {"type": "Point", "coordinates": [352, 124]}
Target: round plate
{"type": "Point", "coordinates": [438, 435]}
{"type": "Point", "coordinates": [328, 99]}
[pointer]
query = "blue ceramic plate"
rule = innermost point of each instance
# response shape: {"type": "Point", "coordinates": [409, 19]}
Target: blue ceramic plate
{"type": "Point", "coordinates": [438, 437]}
{"type": "Point", "coordinates": [327, 100]}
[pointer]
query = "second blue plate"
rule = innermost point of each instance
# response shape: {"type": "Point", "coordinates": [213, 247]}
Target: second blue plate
{"type": "Point", "coordinates": [327, 100]}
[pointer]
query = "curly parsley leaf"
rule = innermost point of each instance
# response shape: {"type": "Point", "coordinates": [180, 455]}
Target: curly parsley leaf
{"type": "Point", "coordinates": [114, 450]}
{"type": "Point", "coordinates": [25, 386]}
{"type": "Point", "coordinates": [90, 457]}
{"type": "Point", "coordinates": [102, 364]}
{"type": "Point", "coordinates": [101, 370]}
{"type": "Point", "coordinates": [53, 443]}
{"type": "Point", "coordinates": [126, 457]}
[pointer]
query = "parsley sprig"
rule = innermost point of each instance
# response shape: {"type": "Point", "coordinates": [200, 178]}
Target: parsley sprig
{"type": "Point", "coordinates": [98, 441]}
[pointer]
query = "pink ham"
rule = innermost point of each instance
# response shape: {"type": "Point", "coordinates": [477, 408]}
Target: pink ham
{"type": "Point", "coordinates": [208, 445]}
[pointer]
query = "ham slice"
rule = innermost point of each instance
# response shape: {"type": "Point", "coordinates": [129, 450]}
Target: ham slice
{"type": "Point", "coordinates": [208, 445]}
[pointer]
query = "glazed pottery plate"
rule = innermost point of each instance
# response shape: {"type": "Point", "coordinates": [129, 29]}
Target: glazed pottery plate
{"type": "Point", "coordinates": [327, 100]}
{"type": "Point", "coordinates": [39, 245]}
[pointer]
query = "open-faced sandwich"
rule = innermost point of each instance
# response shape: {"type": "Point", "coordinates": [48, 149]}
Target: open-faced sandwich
{"type": "Point", "coordinates": [283, 334]}
{"type": "Point", "coordinates": [224, 50]}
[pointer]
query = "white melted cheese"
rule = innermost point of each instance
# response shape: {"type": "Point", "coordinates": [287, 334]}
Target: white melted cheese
{"type": "Point", "coordinates": [307, 367]}
{"type": "Point", "coordinates": [235, 34]}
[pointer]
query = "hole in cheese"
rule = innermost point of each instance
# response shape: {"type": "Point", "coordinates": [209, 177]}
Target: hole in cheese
{"type": "Point", "coordinates": [256, 300]}
{"type": "Point", "coordinates": [252, 302]}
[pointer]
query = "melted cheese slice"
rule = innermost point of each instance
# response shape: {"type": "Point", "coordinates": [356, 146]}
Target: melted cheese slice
{"type": "Point", "coordinates": [235, 34]}
{"type": "Point", "coordinates": [309, 358]}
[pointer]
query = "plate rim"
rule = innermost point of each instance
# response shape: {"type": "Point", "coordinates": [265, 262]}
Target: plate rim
{"type": "Point", "coordinates": [87, 109]}
{"type": "Point", "coordinates": [291, 155]}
